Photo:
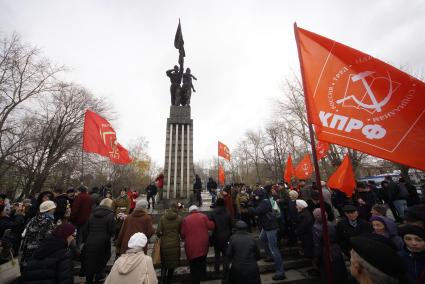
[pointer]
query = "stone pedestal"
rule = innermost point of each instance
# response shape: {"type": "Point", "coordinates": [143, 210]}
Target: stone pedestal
{"type": "Point", "coordinates": [178, 166]}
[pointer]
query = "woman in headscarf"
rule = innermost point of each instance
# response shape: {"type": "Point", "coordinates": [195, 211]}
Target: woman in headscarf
{"type": "Point", "coordinates": [388, 228]}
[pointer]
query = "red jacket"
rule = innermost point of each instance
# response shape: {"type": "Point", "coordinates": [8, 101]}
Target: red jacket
{"type": "Point", "coordinates": [194, 232]}
{"type": "Point", "coordinates": [81, 209]}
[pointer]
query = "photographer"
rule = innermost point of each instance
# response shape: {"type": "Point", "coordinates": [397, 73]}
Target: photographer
{"type": "Point", "coordinates": [11, 226]}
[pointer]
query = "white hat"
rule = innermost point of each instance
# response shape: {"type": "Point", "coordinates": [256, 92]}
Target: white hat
{"type": "Point", "coordinates": [193, 208]}
{"type": "Point", "coordinates": [137, 240]}
{"type": "Point", "coordinates": [293, 194]}
{"type": "Point", "coordinates": [47, 206]}
{"type": "Point", "coordinates": [301, 203]}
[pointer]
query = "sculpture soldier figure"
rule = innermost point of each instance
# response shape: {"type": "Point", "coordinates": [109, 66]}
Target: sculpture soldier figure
{"type": "Point", "coordinates": [186, 91]}
{"type": "Point", "coordinates": [175, 76]}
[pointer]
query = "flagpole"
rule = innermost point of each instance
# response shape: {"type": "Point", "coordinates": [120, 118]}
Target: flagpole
{"type": "Point", "coordinates": [218, 167]}
{"type": "Point", "coordinates": [316, 167]}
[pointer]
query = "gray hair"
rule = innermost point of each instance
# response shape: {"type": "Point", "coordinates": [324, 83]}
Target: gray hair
{"type": "Point", "coordinates": [376, 276]}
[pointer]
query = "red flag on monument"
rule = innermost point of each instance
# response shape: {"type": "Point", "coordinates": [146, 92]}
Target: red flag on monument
{"type": "Point", "coordinates": [358, 101]}
{"type": "Point", "coordinates": [99, 137]}
{"type": "Point", "coordinates": [343, 178]}
{"type": "Point", "coordinates": [221, 175]}
{"type": "Point", "coordinates": [304, 168]}
{"type": "Point", "coordinates": [289, 170]}
{"type": "Point", "coordinates": [322, 149]}
{"type": "Point", "coordinates": [223, 151]}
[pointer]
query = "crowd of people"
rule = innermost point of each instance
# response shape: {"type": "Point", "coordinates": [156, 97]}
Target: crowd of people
{"type": "Point", "coordinates": [53, 230]}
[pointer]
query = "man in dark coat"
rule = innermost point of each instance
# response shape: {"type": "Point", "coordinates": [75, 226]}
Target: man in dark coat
{"type": "Point", "coordinates": [268, 235]}
{"type": "Point", "coordinates": [350, 226]}
{"type": "Point", "coordinates": [80, 212]}
{"type": "Point", "coordinates": [197, 189]}
{"type": "Point", "coordinates": [97, 248]}
{"type": "Point", "coordinates": [221, 233]}
{"type": "Point", "coordinates": [243, 253]}
{"type": "Point", "coordinates": [212, 189]}
{"type": "Point", "coordinates": [52, 261]}
{"type": "Point", "coordinates": [151, 192]}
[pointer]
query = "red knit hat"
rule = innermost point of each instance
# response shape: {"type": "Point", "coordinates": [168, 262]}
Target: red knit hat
{"type": "Point", "coordinates": [64, 231]}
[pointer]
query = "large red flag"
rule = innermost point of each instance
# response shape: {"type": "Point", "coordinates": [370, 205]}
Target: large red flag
{"type": "Point", "coordinates": [99, 137]}
{"type": "Point", "coordinates": [221, 175]}
{"type": "Point", "coordinates": [343, 178]}
{"type": "Point", "coordinates": [223, 151]}
{"type": "Point", "coordinates": [358, 101]}
{"type": "Point", "coordinates": [289, 170]}
{"type": "Point", "coordinates": [304, 168]}
{"type": "Point", "coordinates": [322, 149]}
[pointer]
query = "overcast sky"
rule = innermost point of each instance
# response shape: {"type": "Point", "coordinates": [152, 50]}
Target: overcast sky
{"type": "Point", "coordinates": [240, 51]}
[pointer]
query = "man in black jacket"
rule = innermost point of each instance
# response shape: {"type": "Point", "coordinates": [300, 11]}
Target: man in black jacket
{"type": "Point", "coordinates": [268, 234]}
{"type": "Point", "coordinates": [151, 192]}
{"type": "Point", "coordinates": [212, 189]}
{"type": "Point", "coordinates": [350, 226]}
{"type": "Point", "coordinates": [52, 261]}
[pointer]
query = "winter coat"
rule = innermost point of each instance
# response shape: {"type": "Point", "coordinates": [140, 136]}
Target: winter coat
{"type": "Point", "coordinates": [51, 263]}
{"type": "Point", "coordinates": [138, 221]}
{"type": "Point", "coordinates": [223, 227]}
{"type": "Point", "coordinates": [241, 202]}
{"type": "Point", "coordinates": [266, 218]}
{"type": "Point", "coordinates": [122, 204]}
{"type": "Point", "coordinates": [37, 229]}
{"type": "Point", "coordinates": [211, 185]}
{"type": "Point", "coordinates": [369, 198]}
{"type": "Point", "coordinates": [81, 209]}
{"type": "Point", "coordinates": [339, 271]}
{"type": "Point", "coordinates": [228, 201]}
{"type": "Point", "coordinates": [345, 231]}
{"type": "Point", "coordinates": [97, 249]}
{"type": "Point", "coordinates": [169, 231]}
{"type": "Point", "coordinates": [328, 209]}
{"type": "Point", "coordinates": [16, 225]}
{"type": "Point", "coordinates": [243, 253]}
{"type": "Point", "coordinates": [197, 186]}
{"type": "Point", "coordinates": [132, 268]}
{"type": "Point", "coordinates": [303, 230]}
{"type": "Point", "coordinates": [305, 193]}
{"type": "Point", "coordinates": [391, 231]}
{"type": "Point", "coordinates": [151, 190]}
{"type": "Point", "coordinates": [194, 233]}
{"type": "Point", "coordinates": [159, 182]}
{"type": "Point", "coordinates": [414, 264]}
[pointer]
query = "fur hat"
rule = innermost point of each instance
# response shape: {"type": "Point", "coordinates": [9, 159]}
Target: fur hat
{"type": "Point", "coordinates": [301, 203]}
{"type": "Point", "coordinates": [137, 240]}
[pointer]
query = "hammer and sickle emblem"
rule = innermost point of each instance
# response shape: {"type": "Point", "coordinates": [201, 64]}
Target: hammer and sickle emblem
{"type": "Point", "coordinates": [375, 104]}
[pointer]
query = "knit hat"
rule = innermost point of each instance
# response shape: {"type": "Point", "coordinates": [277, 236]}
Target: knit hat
{"type": "Point", "coordinates": [412, 230]}
{"type": "Point", "coordinates": [293, 194]}
{"type": "Point", "coordinates": [301, 203]}
{"type": "Point", "coordinates": [47, 206]}
{"type": "Point", "coordinates": [379, 255]}
{"type": "Point", "coordinates": [193, 208]}
{"type": "Point", "coordinates": [64, 231]}
{"type": "Point", "coordinates": [380, 208]}
{"type": "Point", "coordinates": [137, 240]}
{"type": "Point", "coordinates": [142, 204]}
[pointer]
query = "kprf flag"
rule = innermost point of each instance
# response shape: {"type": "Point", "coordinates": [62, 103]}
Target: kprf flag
{"type": "Point", "coordinates": [99, 137]}
{"type": "Point", "coordinates": [178, 40]}
{"type": "Point", "coordinates": [289, 170]}
{"type": "Point", "coordinates": [322, 149]}
{"type": "Point", "coordinates": [343, 178]}
{"type": "Point", "coordinates": [304, 168]}
{"type": "Point", "coordinates": [223, 151]}
{"type": "Point", "coordinates": [221, 175]}
{"type": "Point", "coordinates": [358, 101]}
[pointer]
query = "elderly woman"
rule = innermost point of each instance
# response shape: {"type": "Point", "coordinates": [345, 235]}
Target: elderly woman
{"type": "Point", "coordinates": [133, 266]}
{"type": "Point", "coordinates": [388, 228]}
{"type": "Point", "coordinates": [304, 228]}
{"type": "Point", "coordinates": [97, 249]}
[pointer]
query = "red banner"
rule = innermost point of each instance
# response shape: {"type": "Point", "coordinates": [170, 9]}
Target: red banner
{"type": "Point", "coordinates": [289, 170]}
{"type": "Point", "coordinates": [99, 137]}
{"type": "Point", "coordinates": [343, 178]}
{"type": "Point", "coordinates": [223, 151]}
{"type": "Point", "coordinates": [304, 168]}
{"type": "Point", "coordinates": [358, 101]}
{"type": "Point", "coordinates": [221, 175]}
{"type": "Point", "coordinates": [322, 149]}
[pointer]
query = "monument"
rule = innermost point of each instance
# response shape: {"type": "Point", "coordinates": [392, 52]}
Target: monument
{"type": "Point", "coordinates": [178, 166]}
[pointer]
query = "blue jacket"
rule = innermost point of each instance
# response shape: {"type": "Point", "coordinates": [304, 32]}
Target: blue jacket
{"type": "Point", "coordinates": [265, 214]}
{"type": "Point", "coordinates": [414, 263]}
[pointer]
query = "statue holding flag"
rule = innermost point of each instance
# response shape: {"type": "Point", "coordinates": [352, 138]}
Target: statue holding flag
{"type": "Point", "coordinates": [180, 95]}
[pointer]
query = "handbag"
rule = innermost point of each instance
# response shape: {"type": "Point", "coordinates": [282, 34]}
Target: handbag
{"type": "Point", "coordinates": [156, 252]}
{"type": "Point", "coordinates": [10, 270]}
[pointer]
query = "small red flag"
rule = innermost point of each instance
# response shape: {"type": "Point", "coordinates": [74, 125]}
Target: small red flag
{"type": "Point", "coordinates": [305, 168]}
{"type": "Point", "coordinates": [322, 149]}
{"type": "Point", "coordinates": [221, 175]}
{"type": "Point", "coordinates": [223, 151]}
{"type": "Point", "coordinates": [289, 170]}
{"type": "Point", "coordinates": [343, 178]}
{"type": "Point", "coordinates": [99, 137]}
{"type": "Point", "coordinates": [357, 101]}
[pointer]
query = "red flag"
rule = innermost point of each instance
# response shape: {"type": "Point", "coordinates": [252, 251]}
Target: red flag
{"type": "Point", "coordinates": [223, 151]}
{"type": "Point", "coordinates": [343, 178]}
{"type": "Point", "coordinates": [358, 101]}
{"type": "Point", "coordinates": [305, 168]}
{"type": "Point", "coordinates": [99, 137]}
{"type": "Point", "coordinates": [322, 149]}
{"type": "Point", "coordinates": [221, 175]}
{"type": "Point", "coordinates": [289, 170]}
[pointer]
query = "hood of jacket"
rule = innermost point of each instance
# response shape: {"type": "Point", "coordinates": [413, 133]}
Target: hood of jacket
{"type": "Point", "coordinates": [171, 214]}
{"type": "Point", "coordinates": [50, 245]}
{"type": "Point", "coordinates": [138, 212]}
{"type": "Point", "coordinates": [130, 261]}
{"type": "Point", "coordinates": [102, 211]}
